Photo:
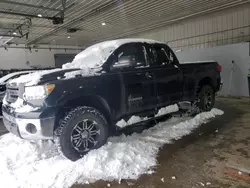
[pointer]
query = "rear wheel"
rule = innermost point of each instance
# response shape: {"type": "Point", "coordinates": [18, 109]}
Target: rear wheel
{"type": "Point", "coordinates": [205, 98]}
{"type": "Point", "coordinates": [83, 129]}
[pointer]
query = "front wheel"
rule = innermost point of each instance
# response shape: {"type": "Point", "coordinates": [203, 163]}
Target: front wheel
{"type": "Point", "coordinates": [205, 98]}
{"type": "Point", "coordinates": [81, 130]}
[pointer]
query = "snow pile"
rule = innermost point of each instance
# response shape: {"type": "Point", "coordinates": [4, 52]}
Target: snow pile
{"type": "Point", "coordinates": [19, 106]}
{"type": "Point", "coordinates": [136, 119]}
{"type": "Point", "coordinates": [25, 165]}
{"type": "Point", "coordinates": [167, 110]}
{"type": "Point", "coordinates": [32, 78]}
{"type": "Point", "coordinates": [82, 72]}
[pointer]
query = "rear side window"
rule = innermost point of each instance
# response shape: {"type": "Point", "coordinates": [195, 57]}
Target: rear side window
{"type": "Point", "coordinates": [160, 55]}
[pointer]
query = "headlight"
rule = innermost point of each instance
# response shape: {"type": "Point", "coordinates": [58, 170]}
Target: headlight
{"type": "Point", "coordinates": [38, 92]}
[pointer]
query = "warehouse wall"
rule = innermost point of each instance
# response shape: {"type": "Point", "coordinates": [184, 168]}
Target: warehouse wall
{"type": "Point", "coordinates": [18, 58]}
{"type": "Point", "coordinates": [224, 55]}
{"type": "Point", "coordinates": [215, 29]}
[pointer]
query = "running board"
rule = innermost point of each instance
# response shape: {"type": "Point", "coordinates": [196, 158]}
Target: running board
{"type": "Point", "coordinates": [142, 125]}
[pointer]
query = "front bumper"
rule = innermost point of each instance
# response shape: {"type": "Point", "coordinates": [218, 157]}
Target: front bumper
{"type": "Point", "coordinates": [28, 128]}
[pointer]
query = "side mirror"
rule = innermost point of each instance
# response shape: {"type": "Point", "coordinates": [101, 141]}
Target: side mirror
{"type": "Point", "coordinates": [125, 61]}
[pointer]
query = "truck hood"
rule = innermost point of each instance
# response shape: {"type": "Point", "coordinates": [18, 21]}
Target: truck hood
{"type": "Point", "coordinates": [41, 77]}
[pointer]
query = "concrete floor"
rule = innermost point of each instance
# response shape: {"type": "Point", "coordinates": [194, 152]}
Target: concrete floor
{"type": "Point", "coordinates": [203, 156]}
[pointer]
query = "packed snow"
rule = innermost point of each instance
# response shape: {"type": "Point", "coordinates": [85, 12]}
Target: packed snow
{"type": "Point", "coordinates": [20, 106]}
{"type": "Point", "coordinates": [32, 78]}
{"type": "Point", "coordinates": [136, 119]}
{"type": "Point", "coordinates": [27, 165]}
{"type": "Point", "coordinates": [191, 62]}
{"type": "Point", "coordinates": [6, 78]}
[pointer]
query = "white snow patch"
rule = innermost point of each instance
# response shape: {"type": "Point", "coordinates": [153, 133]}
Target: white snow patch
{"type": "Point", "coordinates": [32, 78]}
{"type": "Point", "coordinates": [208, 183]}
{"type": "Point", "coordinates": [19, 106]}
{"type": "Point", "coordinates": [136, 119]}
{"type": "Point", "coordinates": [162, 179]}
{"type": "Point", "coordinates": [6, 78]}
{"type": "Point", "coordinates": [173, 178]}
{"type": "Point", "coordinates": [167, 110]}
{"type": "Point", "coordinates": [191, 62]}
{"type": "Point", "coordinates": [83, 72]}
{"type": "Point", "coordinates": [23, 164]}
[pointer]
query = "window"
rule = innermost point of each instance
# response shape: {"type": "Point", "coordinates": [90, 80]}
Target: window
{"type": "Point", "coordinates": [160, 55]}
{"type": "Point", "coordinates": [134, 54]}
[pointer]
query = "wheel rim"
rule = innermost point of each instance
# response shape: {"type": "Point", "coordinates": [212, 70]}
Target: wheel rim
{"type": "Point", "coordinates": [85, 135]}
{"type": "Point", "coordinates": [208, 98]}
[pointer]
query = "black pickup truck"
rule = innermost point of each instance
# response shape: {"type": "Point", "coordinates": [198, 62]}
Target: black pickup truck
{"type": "Point", "coordinates": [79, 105]}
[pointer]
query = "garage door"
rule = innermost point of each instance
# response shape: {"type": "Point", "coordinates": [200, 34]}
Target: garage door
{"type": "Point", "coordinates": [61, 59]}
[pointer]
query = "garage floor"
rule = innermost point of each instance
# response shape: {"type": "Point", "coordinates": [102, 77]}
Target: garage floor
{"type": "Point", "coordinates": [202, 158]}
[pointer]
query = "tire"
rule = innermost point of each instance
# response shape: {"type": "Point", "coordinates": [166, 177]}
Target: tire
{"type": "Point", "coordinates": [81, 130]}
{"type": "Point", "coordinates": [205, 98]}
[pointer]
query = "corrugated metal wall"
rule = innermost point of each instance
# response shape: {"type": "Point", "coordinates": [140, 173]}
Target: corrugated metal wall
{"type": "Point", "coordinates": [220, 28]}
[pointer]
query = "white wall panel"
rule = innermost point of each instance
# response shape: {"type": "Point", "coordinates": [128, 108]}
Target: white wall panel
{"type": "Point", "coordinates": [215, 29]}
{"type": "Point", "coordinates": [14, 58]}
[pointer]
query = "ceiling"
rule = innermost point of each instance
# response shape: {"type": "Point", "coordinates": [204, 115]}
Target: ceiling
{"type": "Point", "coordinates": [122, 18]}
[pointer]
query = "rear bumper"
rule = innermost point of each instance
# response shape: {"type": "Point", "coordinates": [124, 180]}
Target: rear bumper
{"type": "Point", "coordinates": [28, 128]}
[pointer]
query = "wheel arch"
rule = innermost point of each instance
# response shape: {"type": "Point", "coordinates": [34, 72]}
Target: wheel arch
{"type": "Point", "coordinates": [94, 101]}
{"type": "Point", "coordinates": [205, 81]}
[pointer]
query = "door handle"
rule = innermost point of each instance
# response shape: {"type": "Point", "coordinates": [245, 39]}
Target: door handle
{"type": "Point", "coordinates": [148, 75]}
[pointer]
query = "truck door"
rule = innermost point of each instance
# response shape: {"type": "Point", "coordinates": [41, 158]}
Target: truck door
{"type": "Point", "coordinates": [167, 73]}
{"type": "Point", "coordinates": [138, 81]}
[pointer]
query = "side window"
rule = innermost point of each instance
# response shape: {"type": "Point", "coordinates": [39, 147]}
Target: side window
{"type": "Point", "coordinates": [131, 55]}
{"type": "Point", "coordinates": [160, 56]}
{"type": "Point", "coordinates": [170, 54]}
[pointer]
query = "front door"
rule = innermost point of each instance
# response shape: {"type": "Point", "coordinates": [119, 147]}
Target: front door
{"type": "Point", "coordinates": [138, 79]}
{"type": "Point", "coordinates": [167, 73]}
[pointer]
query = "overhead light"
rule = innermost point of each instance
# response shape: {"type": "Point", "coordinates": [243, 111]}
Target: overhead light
{"type": "Point", "coordinates": [14, 33]}
{"type": "Point", "coordinates": [103, 23]}
{"type": "Point", "coordinates": [68, 37]}
{"type": "Point", "coordinates": [40, 15]}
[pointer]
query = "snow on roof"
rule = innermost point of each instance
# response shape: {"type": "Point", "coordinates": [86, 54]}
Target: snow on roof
{"type": "Point", "coordinates": [89, 60]}
{"type": "Point", "coordinates": [38, 164]}
{"type": "Point", "coordinates": [95, 55]}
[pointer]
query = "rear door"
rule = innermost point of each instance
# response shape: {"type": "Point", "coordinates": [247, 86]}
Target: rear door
{"type": "Point", "coordinates": [138, 80]}
{"type": "Point", "coordinates": [167, 73]}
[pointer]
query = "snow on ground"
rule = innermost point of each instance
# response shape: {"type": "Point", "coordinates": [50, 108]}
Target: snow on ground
{"type": "Point", "coordinates": [27, 165]}
{"type": "Point", "coordinates": [136, 119]}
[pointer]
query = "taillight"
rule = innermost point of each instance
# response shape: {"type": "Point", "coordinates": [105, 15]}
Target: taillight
{"type": "Point", "coordinates": [219, 68]}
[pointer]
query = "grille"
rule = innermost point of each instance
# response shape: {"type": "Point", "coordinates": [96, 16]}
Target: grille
{"type": "Point", "coordinates": [12, 94]}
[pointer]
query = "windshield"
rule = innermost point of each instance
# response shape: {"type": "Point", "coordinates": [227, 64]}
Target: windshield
{"type": "Point", "coordinates": [92, 57]}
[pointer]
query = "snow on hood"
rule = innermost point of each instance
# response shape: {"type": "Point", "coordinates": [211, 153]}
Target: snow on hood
{"type": "Point", "coordinates": [8, 76]}
{"type": "Point", "coordinates": [27, 165]}
{"type": "Point", "coordinates": [32, 78]}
